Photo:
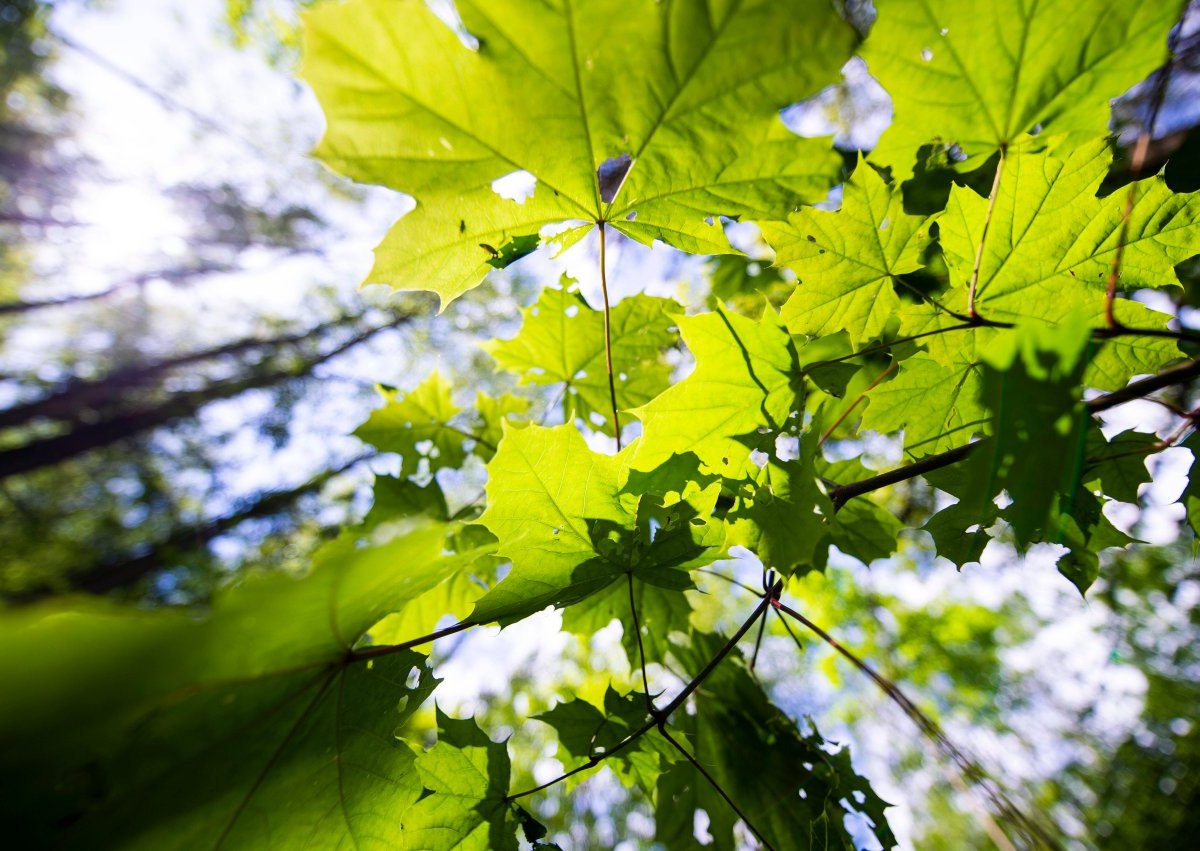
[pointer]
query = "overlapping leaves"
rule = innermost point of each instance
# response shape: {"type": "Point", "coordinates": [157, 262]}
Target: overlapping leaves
{"type": "Point", "coordinates": [250, 727]}
{"type": "Point", "coordinates": [981, 74]}
{"type": "Point", "coordinates": [653, 117]}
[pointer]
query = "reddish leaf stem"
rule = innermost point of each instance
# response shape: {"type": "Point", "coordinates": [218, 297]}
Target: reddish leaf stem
{"type": "Point", "coordinates": [608, 361]}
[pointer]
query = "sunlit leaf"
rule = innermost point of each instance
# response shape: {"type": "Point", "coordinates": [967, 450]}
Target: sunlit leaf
{"type": "Point", "coordinates": [652, 117]}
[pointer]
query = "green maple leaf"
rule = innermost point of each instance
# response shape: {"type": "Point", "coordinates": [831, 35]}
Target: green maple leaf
{"type": "Point", "coordinates": [1051, 242]}
{"type": "Point", "coordinates": [937, 405]}
{"type": "Point", "coordinates": [652, 117]}
{"type": "Point", "coordinates": [251, 727]}
{"type": "Point", "coordinates": [585, 731]}
{"type": "Point", "coordinates": [863, 530]}
{"type": "Point", "coordinates": [466, 775]}
{"type": "Point", "coordinates": [980, 74]}
{"type": "Point", "coordinates": [848, 262]}
{"type": "Point", "coordinates": [954, 534]}
{"type": "Point", "coordinates": [562, 341]}
{"type": "Point", "coordinates": [1190, 498]}
{"type": "Point", "coordinates": [396, 499]}
{"type": "Point", "coordinates": [1118, 466]}
{"type": "Point", "coordinates": [1048, 253]}
{"type": "Point", "coordinates": [1031, 387]}
{"type": "Point", "coordinates": [782, 514]}
{"type": "Point", "coordinates": [408, 420]}
{"type": "Point", "coordinates": [793, 787]}
{"type": "Point", "coordinates": [559, 513]}
{"type": "Point", "coordinates": [1080, 525]}
{"type": "Point", "coordinates": [493, 412]}
{"type": "Point", "coordinates": [747, 378]}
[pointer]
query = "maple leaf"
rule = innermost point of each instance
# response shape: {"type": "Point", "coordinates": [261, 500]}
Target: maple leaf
{"type": "Point", "coordinates": [1047, 255]}
{"type": "Point", "coordinates": [559, 514]}
{"type": "Point", "coordinates": [562, 341]}
{"type": "Point", "coordinates": [980, 74]}
{"type": "Point", "coordinates": [157, 729]}
{"type": "Point", "coordinates": [937, 405]}
{"type": "Point", "coordinates": [848, 262]}
{"type": "Point", "coordinates": [747, 378]}
{"type": "Point", "coordinates": [419, 419]}
{"type": "Point", "coordinates": [466, 778]}
{"type": "Point", "coordinates": [653, 117]}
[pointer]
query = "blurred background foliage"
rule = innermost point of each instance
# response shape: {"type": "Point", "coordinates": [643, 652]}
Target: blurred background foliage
{"type": "Point", "coordinates": [184, 352]}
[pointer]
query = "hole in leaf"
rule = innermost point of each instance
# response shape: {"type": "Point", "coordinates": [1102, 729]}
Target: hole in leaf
{"type": "Point", "coordinates": [448, 15]}
{"type": "Point", "coordinates": [708, 220]}
{"type": "Point", "coordinates": [518, 186]}
{"type": "Point", "coordinates": [611, 175]}
{"type": "Point", "coordinates": [631, 216]}
{"type": "Point", "coordinates": [572, 311]}
{"type": "Point", "coordinates": [759, 458]}
{"type": "Point", "coordinates": [945, 31]}
{"type": "Point", "coordinates": [884, 224]}
{"type": "Point", "coordinates": [927, 55]}
{"type": "Point", "coordinates": [414, 678]}
{"type": "Point", "coordinates": [700, 825]}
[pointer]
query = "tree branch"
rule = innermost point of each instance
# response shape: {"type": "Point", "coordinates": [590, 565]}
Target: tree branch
{"type": "Point", "coordinates": [1178, 374]}
{"type": "Point", "coordinates": [661, 715]}
{"type": "Point", "coordinates": [1009, 811]}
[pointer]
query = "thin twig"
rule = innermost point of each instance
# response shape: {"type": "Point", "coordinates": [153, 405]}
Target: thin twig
{"type": "Point", "coordinates": [730, 580]}
{"type": "Point", "coordinates": [1137, 162]}
{"type": "Point", "coordinates": [662, 728]}
{"type": "Point", "coordinates": [637, 630]}
{"type": "Point", "coordinates": [661, 714]}
{"type": "Point", "coordinates": [850, 408]}
{"type": "Point", "coordinates": [1184, 334]}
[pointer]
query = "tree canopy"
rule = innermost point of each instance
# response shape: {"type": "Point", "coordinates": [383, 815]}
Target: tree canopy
{"type": "Point", "coordinates": [972, 293]}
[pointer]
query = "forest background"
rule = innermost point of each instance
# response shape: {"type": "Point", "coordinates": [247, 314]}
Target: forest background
{"type": "Point", "coordinates": [185, 353]}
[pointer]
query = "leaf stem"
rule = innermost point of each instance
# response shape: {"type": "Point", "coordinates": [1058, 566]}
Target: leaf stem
{"type": "Point", "coordinates": [933, 732]}
{"type": "Point", "coordinates": [661, 715]}
{"type": "Point", "coordinates": [850, 408]}
{"type": "Point", "coordinates": [662, 728]}
{"type": "Point", "coordinates": [608, 361]}
{"type": "Point", "coordinates": [637, 630]}
{"type": "Point", "coordinates": [987, 222]}
{"type": "Point", "coordinates": [1137, 162]}
{"type": "Point", "coordinates": [386, 649]}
